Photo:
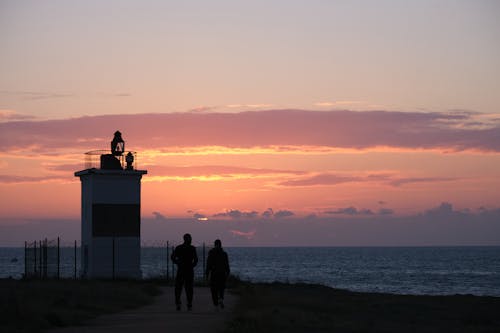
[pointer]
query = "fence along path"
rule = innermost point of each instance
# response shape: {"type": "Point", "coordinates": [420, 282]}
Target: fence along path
{"type": "Point", "coordinates": [50, 259]}
{"type": "Point", "coordinates": [58, 259]}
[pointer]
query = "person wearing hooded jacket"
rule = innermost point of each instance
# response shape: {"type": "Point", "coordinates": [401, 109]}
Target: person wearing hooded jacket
{"type": "Point", "coordinates": [217, 271]}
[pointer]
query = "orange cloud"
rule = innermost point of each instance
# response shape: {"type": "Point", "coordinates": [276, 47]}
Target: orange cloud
{"type": "Point", "coordinates": [275, 128]}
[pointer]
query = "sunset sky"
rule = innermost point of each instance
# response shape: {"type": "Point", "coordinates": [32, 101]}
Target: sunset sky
{"type": "Point", "coordinates": [259, 122]}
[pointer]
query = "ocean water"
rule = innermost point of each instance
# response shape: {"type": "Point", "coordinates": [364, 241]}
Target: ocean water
{"type": "Point", "coordinates": [401, 270]}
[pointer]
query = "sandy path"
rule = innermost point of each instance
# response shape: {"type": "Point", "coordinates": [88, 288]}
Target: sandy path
{"type": "Point", "coordinates": [161, 316]}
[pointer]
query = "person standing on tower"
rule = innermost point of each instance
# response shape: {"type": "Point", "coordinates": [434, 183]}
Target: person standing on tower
{"type": "Point", "coordinates": [218, 271]}
{"type": "Point", "coordinates": [185, 257]}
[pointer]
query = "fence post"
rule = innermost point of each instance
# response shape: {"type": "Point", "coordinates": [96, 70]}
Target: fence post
{"type": "Point", "coordinates": [58, 260]}
{"type": "Point", "coordinates": [41, 259]}
{"type": "Point", "coordinates": [45, 259]}
{"type": "Point", "coordinates": [168, 258]}
{"type": "Point", "coordinates": [34, 262]}
{"type": "Point", "coordinates": [203, 268]}
{"type": "Point", "coordinates": [75, 260]}
{"type": "Point", "coordinates": [25, 259]}
{"type": "Point", "coordinates": [173, 268]}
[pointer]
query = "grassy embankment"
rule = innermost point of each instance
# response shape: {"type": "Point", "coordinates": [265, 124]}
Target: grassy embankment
{"type": "Point", "coordinates": [290, 308]}
{"type": "Point", "coordinates": [33, 305]}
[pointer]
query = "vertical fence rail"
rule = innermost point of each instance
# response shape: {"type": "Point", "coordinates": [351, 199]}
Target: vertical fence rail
{"type": "Point", "coordinates": [173, 266]}
{"type": "Point", "coordinates": [203, 267]}
{"type": "Point", "coordinates": [25, 259]}
{"type": "Point", "coordinates": [35, 273]}
{"type": "Point", "coordinates": [168, 259]}
{"type": "Point", "coordinates": [40, 255]}
{"type": "Point", "coordinates": [56, 259]}
{"type": "Point", "coordinates": [75, 262]}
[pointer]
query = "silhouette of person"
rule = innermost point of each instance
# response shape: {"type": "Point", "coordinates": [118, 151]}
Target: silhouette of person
{"type": "Point", "coordinates": [218, 271]}
{"type": "Point", "coordinates": [185, 257]}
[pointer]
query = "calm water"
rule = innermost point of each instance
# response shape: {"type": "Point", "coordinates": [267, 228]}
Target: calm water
{"type": "Point", "coordinates": [403, 270]}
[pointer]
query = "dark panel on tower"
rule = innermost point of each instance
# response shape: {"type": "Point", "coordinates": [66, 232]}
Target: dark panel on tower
{"type": "Point", "coordinates": [111, 220]}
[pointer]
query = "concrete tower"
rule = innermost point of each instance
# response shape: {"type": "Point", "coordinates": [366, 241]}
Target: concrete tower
{"type": "Point", "coordinates": [111, 213]}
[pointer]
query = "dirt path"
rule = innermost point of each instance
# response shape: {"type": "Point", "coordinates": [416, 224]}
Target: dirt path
{"type": "Point", "coordinates": [161, 316]}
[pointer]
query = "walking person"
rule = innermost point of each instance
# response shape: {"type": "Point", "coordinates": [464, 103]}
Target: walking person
{"type": "Point", "coordinates": [185, 257]}
{"type": "Point", "coordinates": [217, 271]}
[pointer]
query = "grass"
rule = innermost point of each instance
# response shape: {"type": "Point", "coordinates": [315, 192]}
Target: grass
{"type": "Point", "coordinates": [34, 305]}
{"type": "Point", "coordinates": [279, 307]}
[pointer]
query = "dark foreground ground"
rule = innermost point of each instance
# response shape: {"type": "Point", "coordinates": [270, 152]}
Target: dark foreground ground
{"type": "Point", "coordinates": [309, 308]}
{"type": "Point", "coordinates": [32, 306]}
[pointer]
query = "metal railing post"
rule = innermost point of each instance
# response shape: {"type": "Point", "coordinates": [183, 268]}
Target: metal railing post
{"type": "Point", "coordinates": [41, 258]}
{"type": "Point", "coordinates": [203, 267]}
{"type": "Point", "coordinates": [25, 259]}
{"type": "Point", "coordinates": [34, 262]}
{"type": "Point", "coordinates": [168, 258]}
{"type": "Point", "coordinates": [173, 268]}
{"type": "Point", "coordinates": [58, 259]}
{"type": "Point", "coordinates": [45, 259]}
{"type": "Point", "coordinates": [75, 261]}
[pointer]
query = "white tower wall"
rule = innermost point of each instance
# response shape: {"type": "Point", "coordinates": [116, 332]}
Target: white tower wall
{"type": "Point", "coordinates": [111, 202]}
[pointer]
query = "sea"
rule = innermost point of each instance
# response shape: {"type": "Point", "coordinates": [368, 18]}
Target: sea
{"type": "Point", "coordinates": [398, 270]}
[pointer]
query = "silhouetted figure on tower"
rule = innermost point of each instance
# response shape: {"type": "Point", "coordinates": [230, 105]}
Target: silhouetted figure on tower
{"type": "Point", "coordinates": [218, 271]}
{"type": "Point", "coordinates": [186, 259]}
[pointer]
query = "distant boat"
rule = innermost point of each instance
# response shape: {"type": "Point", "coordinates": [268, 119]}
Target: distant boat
{"type": "Point", "coordinates": [14, 260]}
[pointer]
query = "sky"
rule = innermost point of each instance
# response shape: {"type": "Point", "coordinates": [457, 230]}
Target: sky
{"type": "Point", "coordinates": [332, 123]}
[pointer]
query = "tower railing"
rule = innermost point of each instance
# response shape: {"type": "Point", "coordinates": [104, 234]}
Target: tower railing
{"type": "Point", "coordinates": [93, 159]}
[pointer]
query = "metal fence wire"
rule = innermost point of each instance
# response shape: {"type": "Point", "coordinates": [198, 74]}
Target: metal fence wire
{"type": "Point", "coordinates": [156, 260]}
{"type": "Point", "coordinates": [61, 259]}
{"type": "Point", "coordinates": [42, 258]}
{"type": "Point", "coordinates": [50, 259]}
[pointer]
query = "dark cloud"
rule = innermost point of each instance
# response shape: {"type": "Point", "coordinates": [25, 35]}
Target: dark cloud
{"type": "Point", "coordinates": [329, 179]}
{"type": "Point", "coordinates": [159, 216]}
{"type": "Point", "coordinates": [350, 211]}
{"type": "Point", "coordinates": [444, 209]}
{"type": "Point", "coordinates": [385, 211]}
{"type": "Point", "coordinates": [199, 216]}
{"type": "Point", "coordinates": [283, 213]}
{"type": "Point", "coordinates": [353, 211]}
{"type": "Point", "coordinates": [237, 214]}
{"type": "Point", "coordinates": [268, 213]}
{"type": "Point", "coordinates": [336, 129]}
{"type": "Point", "coordinates": [410, 180]}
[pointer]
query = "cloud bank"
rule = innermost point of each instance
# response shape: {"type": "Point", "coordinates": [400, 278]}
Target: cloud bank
{"type": "Point", "coordinates": [335, 129]}
{"type": "Point", "coordinates": [440, 225]}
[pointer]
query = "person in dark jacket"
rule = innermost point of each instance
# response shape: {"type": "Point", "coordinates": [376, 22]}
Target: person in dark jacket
{"type": "Point", "coordinates": [217, 271]}
{"type": "Point", "coordinates": [185, 257]}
